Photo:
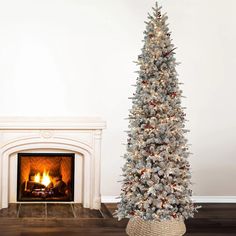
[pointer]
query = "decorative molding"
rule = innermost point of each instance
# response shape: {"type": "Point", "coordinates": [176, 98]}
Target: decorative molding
{"type": "Point", "coordinates": [197, 199]}
{"type": "Point", "coordinates": [98, 134]}
{"type": "Point", "coordinates": [47, 133]}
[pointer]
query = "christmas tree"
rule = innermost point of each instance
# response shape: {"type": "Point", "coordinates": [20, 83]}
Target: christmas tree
{"type": "Point", "coordinates": [156, 183]}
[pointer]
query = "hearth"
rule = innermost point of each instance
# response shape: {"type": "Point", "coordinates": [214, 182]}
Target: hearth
{"type": "Point", "coordinates": [45, 177]}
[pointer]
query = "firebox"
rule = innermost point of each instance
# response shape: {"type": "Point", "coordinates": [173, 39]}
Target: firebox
{"type": "Point", "coordinates": [45, 177]}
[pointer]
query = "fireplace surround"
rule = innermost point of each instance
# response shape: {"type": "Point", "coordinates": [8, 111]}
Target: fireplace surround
{"type": "Point", "coordinates": [37, 136]}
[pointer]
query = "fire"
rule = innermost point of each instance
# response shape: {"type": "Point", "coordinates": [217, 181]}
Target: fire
{"type": "Point", "coordinates": [45, 179]}
{"type": "Point", "coordinates": [37, 178]}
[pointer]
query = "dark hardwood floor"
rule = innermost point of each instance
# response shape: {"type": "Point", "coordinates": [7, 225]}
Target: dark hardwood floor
{"type": "Point", "coordinates": [72, 219]}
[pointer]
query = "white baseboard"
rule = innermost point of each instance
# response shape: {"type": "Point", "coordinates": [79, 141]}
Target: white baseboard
{"type": "Point", "coordinates": [197, 199]}
{"type": "Point", "coordinates": [214, 199]}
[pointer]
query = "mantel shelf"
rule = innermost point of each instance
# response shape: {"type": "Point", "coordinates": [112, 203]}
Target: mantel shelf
{"type": "Point", "coordinates": [75, 123]}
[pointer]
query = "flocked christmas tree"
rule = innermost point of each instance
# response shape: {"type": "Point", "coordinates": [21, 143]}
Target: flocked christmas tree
{"type": "Point", "coordinates": [156, 184]}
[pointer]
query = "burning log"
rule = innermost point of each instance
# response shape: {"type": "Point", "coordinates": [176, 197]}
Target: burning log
{"type": "Point", "coordinates": [56, 188]}
{"type": "Point", "coordinates": [60, 188]}
{"type": "Point", "coordinates": [31, 185]}
{"type": "Point", "coordinates": [42, 193]}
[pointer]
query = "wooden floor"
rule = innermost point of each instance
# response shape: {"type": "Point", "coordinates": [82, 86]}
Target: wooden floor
{"type": "Point", "coordinates": [72, 219]}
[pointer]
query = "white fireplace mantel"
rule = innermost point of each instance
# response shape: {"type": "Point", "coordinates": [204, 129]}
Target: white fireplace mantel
{"type": "Point", "coordinates": [81, 136]}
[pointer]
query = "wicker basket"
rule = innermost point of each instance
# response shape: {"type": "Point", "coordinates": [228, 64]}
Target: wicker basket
{"type": "Point", "coordinates": [139, 227]}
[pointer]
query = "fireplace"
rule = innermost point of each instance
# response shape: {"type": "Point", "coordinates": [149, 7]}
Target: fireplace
{"type": "Point", "coordinates": [45, 177]}
{"type": "Point", "coordinates": [31, 140]}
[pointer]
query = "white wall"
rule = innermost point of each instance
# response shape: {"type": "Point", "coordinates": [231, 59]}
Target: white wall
{"type": "Point", "coordinates": [74, 58]}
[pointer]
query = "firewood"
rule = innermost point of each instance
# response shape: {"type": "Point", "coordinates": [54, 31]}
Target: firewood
{"type": "Point", "coordinates": [60, 188]}
{"type": "Point", "coordinates": [39, 186]}
{"type": "Point", "coordinates": [31, 185]}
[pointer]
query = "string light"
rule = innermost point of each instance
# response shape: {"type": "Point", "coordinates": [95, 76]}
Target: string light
{"type": "Point", "coordinates": [157, 174]}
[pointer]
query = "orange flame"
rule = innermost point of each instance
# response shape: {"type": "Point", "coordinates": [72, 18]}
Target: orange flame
{"type": "Point", "coordinates": [45, 179]}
